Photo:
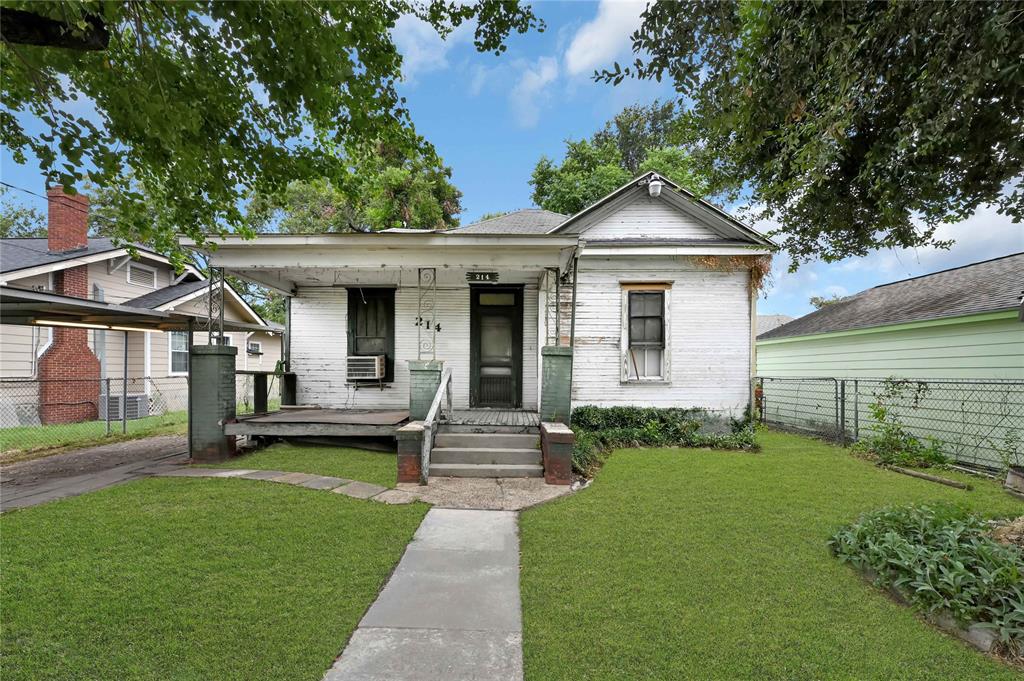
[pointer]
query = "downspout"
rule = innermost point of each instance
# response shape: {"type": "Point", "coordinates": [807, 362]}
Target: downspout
{"type": "Point", "coordinates": [751, 407]}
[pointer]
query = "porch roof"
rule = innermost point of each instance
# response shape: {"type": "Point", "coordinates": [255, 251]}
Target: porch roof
{"type": "Point", "coordinates": [278, 260]}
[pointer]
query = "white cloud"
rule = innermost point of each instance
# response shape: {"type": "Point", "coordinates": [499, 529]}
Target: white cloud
{"type": "Point", "coordinates": [600, 40]}
{"type": "Point", "coordinates": [983, 236]}
{"type": "Point", "coordinates": [530, 92]}
{"type": "Point", "coordinates": [422, 49]}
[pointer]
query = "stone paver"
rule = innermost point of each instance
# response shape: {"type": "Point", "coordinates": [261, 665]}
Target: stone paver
{"type": "Point", "coordinates": [397, 496]}
{"type": "Point", "coordinates": [230, 473]}
{"type": "Point", "coordinates": [451, 609]}
{"type": "Point", "coordinates": [263, 475]}
{"type": "Point", "coordinates": [360, 490]}
{"type": "Point", "coordinates": [324, 482]}
{"type": "Point", "coordinates": [294, 478]}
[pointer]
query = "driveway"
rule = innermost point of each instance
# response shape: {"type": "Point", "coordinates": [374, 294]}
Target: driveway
{"type": "Point", "coordinates": [28, 483]}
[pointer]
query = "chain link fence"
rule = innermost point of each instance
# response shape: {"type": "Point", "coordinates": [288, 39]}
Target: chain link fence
{"type": "Point", "coordinates": [977, 422]}
{"type": "Point", "coordinates": [46, 414]}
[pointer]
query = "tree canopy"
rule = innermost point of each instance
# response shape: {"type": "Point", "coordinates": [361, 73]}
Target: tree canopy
{"type": "Point", "coordinates": [389, 191]}
{"type": "Point", "coordinates": [850, 121]}
{"type": "Point", "coordinates": [17, 220]}
{"type": "Point", "coordinates": [202, 103]}
{"type": "Point", "coordinates": [639, 139]}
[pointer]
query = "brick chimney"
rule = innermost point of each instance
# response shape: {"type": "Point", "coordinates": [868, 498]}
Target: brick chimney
{"type": "Point", "coordinates": [69, 372]}
{"type": "Point", "coordinates": [67, 220]}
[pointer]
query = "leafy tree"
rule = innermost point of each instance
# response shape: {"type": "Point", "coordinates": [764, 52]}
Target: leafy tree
{"type": "Point", "coordinates": [200, 103]}
{"type": "Point", "coordinates": [849, 120]}
{"type": "Point", "coordinates": [593, 169]}
{"type": "Point", "coordinates": [389, 192]}
{"type": "Point", "coordinates": [17, 220]}
{"type": "Point", "coordinates": [822, 301]}
{"type": "Point", "coordinates": [637, 129]}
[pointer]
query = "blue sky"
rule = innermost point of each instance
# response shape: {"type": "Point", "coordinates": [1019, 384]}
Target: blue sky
{"type": "Point", "coordinates": [491, 118]}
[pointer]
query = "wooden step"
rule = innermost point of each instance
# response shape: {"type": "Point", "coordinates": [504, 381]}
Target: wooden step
{"type": "Point", "coordinates": [488, 440]}
{"type": "Point", "coordinates": [480, 455]}
{"type": "Point", "coordinates": [467, 470]}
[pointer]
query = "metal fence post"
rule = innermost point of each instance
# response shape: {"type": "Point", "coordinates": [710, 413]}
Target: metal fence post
{"type": "Point", "coordinates": [856, 410]}
{"type": "Point", "coordinates": [842, 412]}
{"type": "Point", "coordinates": [106, 404]}
{"type": "Point", "coordinates": [124, 387]}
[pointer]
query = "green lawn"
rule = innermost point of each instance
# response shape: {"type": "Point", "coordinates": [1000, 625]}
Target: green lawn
{"type": "Point", "coordinates": [343, 462]}
{"type": "Point", "coordinates": [192, 579]}
{"type": "Point", "coordinates": [682, 564]}
{"type": "Point", "coordinates": [23, 442]}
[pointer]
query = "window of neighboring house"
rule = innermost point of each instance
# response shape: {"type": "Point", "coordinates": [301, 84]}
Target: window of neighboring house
{"type": "Point", "coordinates": [226, 340]}
{"type": "Point", "coordinates": [177, 352]}
{"type": "Point", "coordinates": [371, 325]}
{"type": "Point", "coordinates": [141, 275]}
{"type": "Point", "coordinates": [645, 321]}
{"type": "Point", "coordinates": [254, 348]}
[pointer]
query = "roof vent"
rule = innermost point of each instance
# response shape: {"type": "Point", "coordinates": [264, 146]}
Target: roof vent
{"type": "Point", "coordinates": [654, 188]}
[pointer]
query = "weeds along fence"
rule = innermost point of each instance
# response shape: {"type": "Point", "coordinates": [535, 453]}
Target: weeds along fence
{"type": "Point", "coordinates": [977, 422]}
{"type": "Point", "coordinates": [44, 414]}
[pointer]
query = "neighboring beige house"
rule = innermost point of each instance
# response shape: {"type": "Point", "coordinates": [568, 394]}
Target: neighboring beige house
{"type": "Point", "coordinates": [67, 261]}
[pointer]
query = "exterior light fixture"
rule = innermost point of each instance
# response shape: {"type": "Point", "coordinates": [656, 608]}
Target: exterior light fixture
{"type": "Point", "coordinates": [654, 188]}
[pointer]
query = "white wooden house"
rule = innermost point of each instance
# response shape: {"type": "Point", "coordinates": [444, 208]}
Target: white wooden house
{"type": "Point", "coordinates": [657, 304]}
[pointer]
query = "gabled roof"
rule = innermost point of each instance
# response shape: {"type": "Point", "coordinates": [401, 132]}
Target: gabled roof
{"type": "Point", "coordinates": [168, 294]}
{"type": "Point", "coordinates": [19, 254]}
{"type": "Point", "coordinates": [526, 221]}
{"type": "Point", "coordinates": [23, 257]}
{"type": "Point", "coordinates": [167, 298]}
{"type": "Point", "coordinates": [987, 286]}
{"type": "Point", "coordinates": [712, 216]}
{"type": "Point", "coordinates": [767, 322]}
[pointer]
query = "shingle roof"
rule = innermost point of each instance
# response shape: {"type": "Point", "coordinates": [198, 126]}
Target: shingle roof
{"type": "Point", "coordinates": [767, 322]}
{"type": "Point", "coordinates": [19, 254]}
{"type": "Point", "coordinates": [981, 287]}
{"type": "Point", "coordinates": [165, 295]}
{"type": "Point", "coordinates": [527, 221]}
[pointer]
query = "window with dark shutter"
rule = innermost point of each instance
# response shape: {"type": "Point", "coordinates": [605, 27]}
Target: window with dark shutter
{"type": "Point", "coordinates": [371, 325]}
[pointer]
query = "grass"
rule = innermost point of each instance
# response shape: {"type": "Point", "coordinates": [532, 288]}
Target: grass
{"type": "Point", "coordinates": [192, 579]}
{"type": "Point", "coordinates": [380, 468]}
{"type": "Point", "coordinates": [31, 442]}
{"type": "Point", "coordinates": [709, 564]}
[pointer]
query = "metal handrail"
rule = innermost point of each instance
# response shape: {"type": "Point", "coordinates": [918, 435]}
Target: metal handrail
{"type": "Point", "coordinates": [444, 389]}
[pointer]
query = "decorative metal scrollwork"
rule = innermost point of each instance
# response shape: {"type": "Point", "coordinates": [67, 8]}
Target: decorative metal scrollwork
{"type": "Point", "coordinates": [213, 322]}
{"type": "Point", "coordinates": [427, 326]}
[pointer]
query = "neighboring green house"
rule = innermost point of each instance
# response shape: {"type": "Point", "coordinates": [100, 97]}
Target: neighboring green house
{"type": "Point", "coordinates": [956, 337]}
{"type": "Point", "coordinates": [958, 323]}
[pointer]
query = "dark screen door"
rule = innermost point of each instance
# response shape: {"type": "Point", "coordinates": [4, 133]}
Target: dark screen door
{"type": "Point", "coordinates": [496, 347]}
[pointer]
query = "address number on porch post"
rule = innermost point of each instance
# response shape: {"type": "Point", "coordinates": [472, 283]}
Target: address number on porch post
{"type": "Point", "coordinates": [482, 277]}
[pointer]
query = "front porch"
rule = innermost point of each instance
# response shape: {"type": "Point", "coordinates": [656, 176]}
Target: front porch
{"type": "Point", "coordinates": [319, 422]}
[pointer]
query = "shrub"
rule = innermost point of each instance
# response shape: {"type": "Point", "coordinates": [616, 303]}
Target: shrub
{"type": "Point", "coordinates": [891, 444]}
{"type": "Point", "coordinates": [940, 558]}
{"type": "Point", "coordinates": [600, 429]}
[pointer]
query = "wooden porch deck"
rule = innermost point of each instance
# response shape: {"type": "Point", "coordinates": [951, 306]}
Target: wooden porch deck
{"type": "Point", "coordinates": [365, 422]}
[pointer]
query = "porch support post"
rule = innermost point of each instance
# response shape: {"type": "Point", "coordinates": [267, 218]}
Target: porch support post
{"type": "Point", "coordinates": [211, 401]}
{"type": "Point", "coordinates": [556, 384]}
{"type": "Point", "coordinates": [424, 379]}
{"type": "Point", "coordinates": [410, 452]}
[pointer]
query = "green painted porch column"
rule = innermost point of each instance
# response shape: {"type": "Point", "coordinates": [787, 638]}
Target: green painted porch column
{"type": "Point", "coordinates": [556, 384]}
{"type": "Point", "coordinates": [424, 378]}
{"type": "Point", "coordinates": [211, 401]}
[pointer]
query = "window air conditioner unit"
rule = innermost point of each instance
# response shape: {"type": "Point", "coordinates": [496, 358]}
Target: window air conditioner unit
{"type": "Point", "coordinates": [138, 406]}
{"type": "Point", "coordinates": [365, 368]}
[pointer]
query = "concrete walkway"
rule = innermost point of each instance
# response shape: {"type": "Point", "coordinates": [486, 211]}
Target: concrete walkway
{"type": "Point", "coordinates": [38, 481]}
{"type": "Point", "coordinates": [451, 609]}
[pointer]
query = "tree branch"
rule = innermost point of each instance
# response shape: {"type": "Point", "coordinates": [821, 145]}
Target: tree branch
{"type": "Point", "coordinates": [19, 27]}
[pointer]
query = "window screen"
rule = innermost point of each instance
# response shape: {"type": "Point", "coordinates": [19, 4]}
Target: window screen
{"type": "Point", "coordinates": [646, 334]}
{"type": "Point", "coordinates": [371, 321]}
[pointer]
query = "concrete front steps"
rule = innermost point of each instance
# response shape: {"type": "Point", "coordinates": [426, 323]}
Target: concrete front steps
{"type": "Point", "coordinates": [486, 455]}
